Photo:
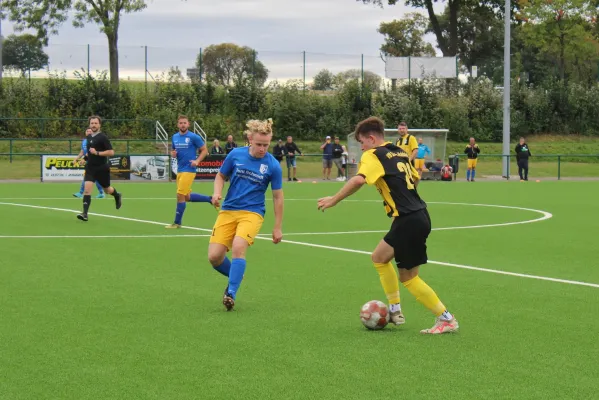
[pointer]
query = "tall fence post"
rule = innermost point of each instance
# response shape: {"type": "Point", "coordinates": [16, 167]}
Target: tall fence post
{"type": "Point", "coordinates": [127, 146]}
{"type": "Point", "coordinates": [146, 67]}
{"type": "Point", "coordinates": [201, 64]}
{"type": "Point", "coordinates": [88, 59]}
{"type": "Point", "coordinates": [508, 166]}
{"type": "Point", "coordinates": [70, 146]}
{"type": "Point", "coordinates": [362, 71]}
{"type": "Point", "coordinates": [304, 68]}
{"type": "Point", "coordinates": [559, 168]}
{"type": "Point", "coordinates": [10, 149]}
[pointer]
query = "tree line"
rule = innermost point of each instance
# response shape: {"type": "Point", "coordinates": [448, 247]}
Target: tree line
{"type": "Point", "coordinates": [472, 108]}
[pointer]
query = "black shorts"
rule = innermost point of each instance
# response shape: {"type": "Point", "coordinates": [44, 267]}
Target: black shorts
{"type": "Point", "coordinates": [408, 236]}
{"type": "Point", "coordinates": [100, 174]}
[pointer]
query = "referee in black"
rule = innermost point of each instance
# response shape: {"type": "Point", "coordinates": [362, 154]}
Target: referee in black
{"type": "Point", "coordinates": [97, 168]}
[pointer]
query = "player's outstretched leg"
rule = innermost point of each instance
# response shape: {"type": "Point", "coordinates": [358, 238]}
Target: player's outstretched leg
{"type": "Point", "coordinates": [80, 193]}
{"type": "Point", "coordinates": [445, 322]}
{"type": "Point", "coordinates": [473, 174]}
{"type": "Point", "coordinates": [101, 194]}
{"type": "Point", "coordinates": [381, 258]}
{"type": "Point", "coordinates": [468, 171]}
{"type": "Point", "coordinates": [217, 255]}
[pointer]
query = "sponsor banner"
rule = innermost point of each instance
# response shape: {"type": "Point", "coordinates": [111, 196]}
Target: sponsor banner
{"type": "Point", "coordinates": [207, 169]}
{"type": "Point", "coordinates": [120, 168]}
{"type": "Point", "coordinates": [153, 168]}
{"type": "Point", "coordinates": [63, 168]}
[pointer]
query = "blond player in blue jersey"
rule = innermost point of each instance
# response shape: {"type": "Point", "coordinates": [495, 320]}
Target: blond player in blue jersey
{"type": "Point", "coordinates": [250, 170]}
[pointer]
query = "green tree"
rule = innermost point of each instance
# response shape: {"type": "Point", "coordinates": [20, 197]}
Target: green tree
{"type": "Point", "coordinates": [480, 33]}
{"type": "Point", "coordinates": [562, 31]}
{"type": "Point", "coordinates": [323, 80]}
{"type": "Point", "coordinates": [24, 53]}
{"type": "Point", "coordinates": [45, 17]}
{"type": "Point", "coordinates": [227, 62]}
{"type": "Point", "coordinates": [371, 79]}
{"type": "Point", "coordinates": [405, 37]}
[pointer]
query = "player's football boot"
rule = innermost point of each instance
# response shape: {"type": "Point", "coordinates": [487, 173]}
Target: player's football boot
{"type": "Point", "coordinates": [397, 318]}
{"type": "Point", "coordinates": [82, 217]}
{"type": "Point", "coordinates": [78, 195]}
{"type": "Point", "coordinates": [100, 196]}
{"type": "Point", "coordinates": [173, 226]}
{"type": "Point", "coordinates": [228, 300]}
{"type": "Point", "coordinates": [442, 326]}
{"type": "Point", "coordinates": [117, 200]}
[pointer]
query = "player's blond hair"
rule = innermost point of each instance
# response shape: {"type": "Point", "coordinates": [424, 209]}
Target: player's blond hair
{"type": "Point", "coordinates": [258, 126]}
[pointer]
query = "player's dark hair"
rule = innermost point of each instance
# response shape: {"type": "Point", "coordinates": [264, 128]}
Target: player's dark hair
{"type": "Point", "coordinates": [180, 117]}
{"type": "Point", "coordinates": [370, 126]}
{"type": "Point", "coordinates": [403, 123]}
{"type": "Point", "coordinates": [95, 117]}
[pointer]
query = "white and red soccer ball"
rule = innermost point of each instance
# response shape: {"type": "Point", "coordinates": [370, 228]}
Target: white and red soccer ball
{"type": "Point", "coordinates": [374, 315]}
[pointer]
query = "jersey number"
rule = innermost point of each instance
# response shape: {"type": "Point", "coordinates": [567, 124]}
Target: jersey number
{"type": "Point", "coordinates": [408, 172]}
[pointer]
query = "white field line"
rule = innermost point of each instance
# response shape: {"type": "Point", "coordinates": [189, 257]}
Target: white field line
{"type": "Point", "coordinates": [468, 267]}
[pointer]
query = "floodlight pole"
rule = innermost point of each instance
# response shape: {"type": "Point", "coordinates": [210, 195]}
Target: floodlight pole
{"type": "Point", "coordinates": [1, 65]}
{"type": "Point", "coordinates": [506, 90]}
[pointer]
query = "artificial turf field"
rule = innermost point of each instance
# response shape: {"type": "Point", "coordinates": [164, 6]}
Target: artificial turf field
{"type": "Point", "coordinates": [142, 318]}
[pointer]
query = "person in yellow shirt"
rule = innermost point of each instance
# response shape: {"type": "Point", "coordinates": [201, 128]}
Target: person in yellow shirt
{"type": "Point", "coordinates": [387, 167]}
{"type": "Point", "coordinates": [407, 142]}
{"type": "Point", "coordinates": [472, 151]}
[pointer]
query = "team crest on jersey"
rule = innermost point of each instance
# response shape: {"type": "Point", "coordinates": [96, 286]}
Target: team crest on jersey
{"type": "Point", "coordinates": [186, 140]}
{"type": "Point", "coordinates": [263, 168]}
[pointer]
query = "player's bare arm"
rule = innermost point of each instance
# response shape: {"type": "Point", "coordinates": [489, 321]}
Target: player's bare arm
{"type": "Point", "coordinates": [278, 201]}
{"type": "Point", "coordinates": [217, 194]}
{"type": "Point", "coordinates": [203, 154]}
{"type": "Point", "coordinates": [351, 187]}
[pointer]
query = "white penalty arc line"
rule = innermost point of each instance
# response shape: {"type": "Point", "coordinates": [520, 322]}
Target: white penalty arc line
{"type": "Point", "coordinates": [319, 246]}
{"type": "Point", "coordinates": [544, 214]}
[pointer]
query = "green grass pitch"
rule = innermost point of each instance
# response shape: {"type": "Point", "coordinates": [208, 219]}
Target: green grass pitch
{"type": "Point", "coordinates": [137, 314]}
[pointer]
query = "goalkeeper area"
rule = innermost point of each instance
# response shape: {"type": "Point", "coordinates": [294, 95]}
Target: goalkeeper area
{"type": "Point", "coordinates": [142, 317]}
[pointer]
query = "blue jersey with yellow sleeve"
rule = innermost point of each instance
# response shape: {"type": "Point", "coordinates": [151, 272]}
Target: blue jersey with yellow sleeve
{"type": "Point", "coordinates": [187, 146]}
{"type": "Point", "coordinates": [250, 177]}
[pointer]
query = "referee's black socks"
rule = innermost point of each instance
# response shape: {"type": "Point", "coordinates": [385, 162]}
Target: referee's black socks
{"type": "Point", "coordinates": [87, 200]}
{"type": "Point", "coordinates": [114, 192]}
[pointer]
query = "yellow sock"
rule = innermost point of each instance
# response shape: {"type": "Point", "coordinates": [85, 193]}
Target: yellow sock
{"type": "Point", "coordinates": [389, 281]}
{"type": "Point", "coordinates": [425, 295]}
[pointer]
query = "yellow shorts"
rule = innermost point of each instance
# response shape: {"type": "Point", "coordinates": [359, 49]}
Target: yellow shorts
{"type": "Point", "coordinates": [229, 224]}
{"type": "Point", "coordinates": [184, 182]}
{"type": "Point", "coordinates": [472, 163]}
{"type": "Point", "coordinates": [419, 163]}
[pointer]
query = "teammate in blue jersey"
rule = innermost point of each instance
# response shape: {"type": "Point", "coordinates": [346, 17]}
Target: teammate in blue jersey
{"type": "Point", "coordinates": [82, 154]}
{"type": "Point", "coordinates": [250, 170]}
{"type": "Point", "coordinates": [185, 146]}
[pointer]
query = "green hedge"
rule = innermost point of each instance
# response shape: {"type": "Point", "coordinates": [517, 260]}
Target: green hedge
{"type": "Point", "coordinates": [59, 107]}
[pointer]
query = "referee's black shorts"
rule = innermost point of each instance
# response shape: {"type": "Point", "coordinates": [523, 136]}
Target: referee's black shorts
{"type": "Point", "coordinates": [408, 236]}
{"type": "Point", "coordinates": [100, 174]}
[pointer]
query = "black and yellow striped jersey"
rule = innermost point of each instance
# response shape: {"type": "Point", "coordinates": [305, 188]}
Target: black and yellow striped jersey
{"type": "Point", "coordinates": [407, 143]}
{"type": "Point", "coordinates": [389, 169]}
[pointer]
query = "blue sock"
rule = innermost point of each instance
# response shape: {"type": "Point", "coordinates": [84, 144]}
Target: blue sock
{"type": "Point", "coordinates": [82, 186]}
{"type": "Point", "coordinates": [225, 267]}
{"type": "Point", "coordinates": [180, 211]}
{"type": "Point", "coordinates": [236, 275]}
{"type": "Point", "coordinates": [199, 198]}
{"type": "Point", "coordinates": [468, 174]}
{"type": "Point", "coordinates": [473, 173]}
{"type": "Point", "coordinates": [100, 189]}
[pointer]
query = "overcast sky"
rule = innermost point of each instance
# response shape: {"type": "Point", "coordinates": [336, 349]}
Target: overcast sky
{"type": "Point", "coordinates": [334, 33]}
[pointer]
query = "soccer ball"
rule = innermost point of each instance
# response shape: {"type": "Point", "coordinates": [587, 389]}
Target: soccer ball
{"type": "Point", "coordinates": [374, 315]}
